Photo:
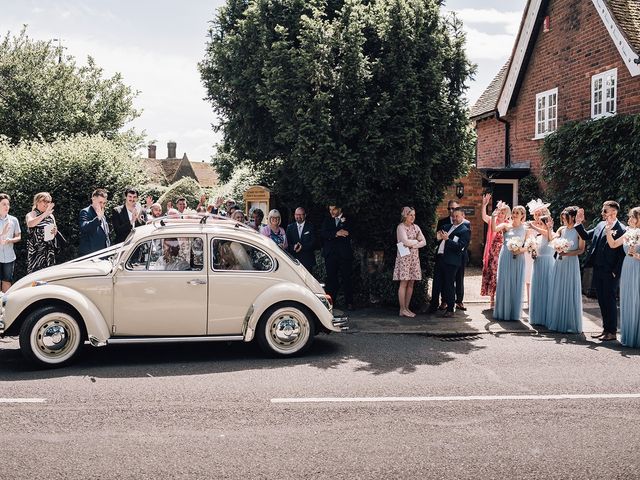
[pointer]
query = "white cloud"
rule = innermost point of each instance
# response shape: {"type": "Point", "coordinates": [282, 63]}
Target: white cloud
{"type": "Point", "coordinates": [481, 45]}
{"type": "Point", "coordinates": [509, 20]}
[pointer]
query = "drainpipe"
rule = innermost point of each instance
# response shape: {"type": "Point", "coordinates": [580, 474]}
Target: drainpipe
{"type": "Point", "coordinates": [507, 150]}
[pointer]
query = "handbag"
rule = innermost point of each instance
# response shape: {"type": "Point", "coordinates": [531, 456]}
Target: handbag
{"type": "Point", "coordinates": [59, 242]}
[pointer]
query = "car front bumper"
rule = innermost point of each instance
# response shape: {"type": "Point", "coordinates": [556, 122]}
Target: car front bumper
{"type": "Point", "coordinates": [340, 320]}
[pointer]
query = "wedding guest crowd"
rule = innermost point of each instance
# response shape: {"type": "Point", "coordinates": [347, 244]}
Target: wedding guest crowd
{"type": "Point", "coordinates": [519, 255]}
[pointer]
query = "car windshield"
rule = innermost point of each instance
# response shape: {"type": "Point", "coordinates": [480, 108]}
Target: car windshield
{"type": "Point", "coordinates": [116, 258]}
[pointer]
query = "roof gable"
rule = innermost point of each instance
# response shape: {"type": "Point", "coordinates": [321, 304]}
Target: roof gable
{"type": "Point", "coordinates": [486, 104]}
{"type": "Point", "coordinates": [620, 17]}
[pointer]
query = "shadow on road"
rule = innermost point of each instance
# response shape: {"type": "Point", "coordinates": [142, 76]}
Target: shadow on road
{"type": "Point", "coordinates": [361, 352]}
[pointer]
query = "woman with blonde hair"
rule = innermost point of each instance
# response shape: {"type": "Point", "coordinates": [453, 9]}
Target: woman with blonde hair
{"type": "Point", "coordinates": [407, 269]}
{"type": "Point", "coordinates": [273, 230]}
{"type": "Point", "coordinates": [565, 300]}
{"type": "Point", "coordinates": [629, 280]}
{"type": "Point", "coordinates": [540, 234]}
{"type": "Point", "coordinates": [510, 264]}
{"type": "Point", "coordinates": [40, 251]}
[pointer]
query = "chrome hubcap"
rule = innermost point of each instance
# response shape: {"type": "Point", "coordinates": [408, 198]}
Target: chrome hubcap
{"type": "Point", "coordinates": [287, 330]}
{"type": "Point", "coordinates": [54, 337]}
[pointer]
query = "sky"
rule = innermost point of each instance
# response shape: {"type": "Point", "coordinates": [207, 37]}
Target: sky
{"type": "Point", "coordinates": [156, 46]}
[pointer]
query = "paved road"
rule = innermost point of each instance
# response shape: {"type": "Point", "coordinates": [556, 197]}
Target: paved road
{"type": "Point", "coordinates": [208, 411]}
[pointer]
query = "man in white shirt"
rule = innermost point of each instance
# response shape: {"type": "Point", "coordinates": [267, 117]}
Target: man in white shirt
{"type": "Point", "coordinates": [9, 235]}
{"type": "Point", "coordinates": [453, 241]}
{"type": "Point", "coordinates": [301, 239]}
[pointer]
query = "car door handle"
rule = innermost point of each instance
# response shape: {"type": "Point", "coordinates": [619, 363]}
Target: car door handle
{"type": "Point", "coordinates": [196, 281]}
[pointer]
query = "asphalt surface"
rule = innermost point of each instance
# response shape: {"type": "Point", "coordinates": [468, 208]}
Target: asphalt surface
{"type": "Point", "coordinates": [411, 406]}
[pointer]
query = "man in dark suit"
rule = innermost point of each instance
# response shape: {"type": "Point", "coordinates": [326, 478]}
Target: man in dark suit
{"type": "Point", "coordinates": [129, 215]}
{"type": "Point", "coordinates": [94, 229]}
{"type": "Point", "coordinates": [453, 241]}
{"type": "Point", "coordinates": [337, 254]}
{"type": "Point", "coordinates": [606, 263]}
{"type": "Point", "coordinates": [459, 281]}
{"type": "Point", "coordinates": [301, 239]}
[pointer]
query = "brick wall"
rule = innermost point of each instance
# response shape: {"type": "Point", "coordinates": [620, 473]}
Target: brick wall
{"type": "Point", "coordinates": [577, 47]}
{"type": "Point", "coordinates": [472, 199]}
{"type": "Point", "coordinates": [490, 144]}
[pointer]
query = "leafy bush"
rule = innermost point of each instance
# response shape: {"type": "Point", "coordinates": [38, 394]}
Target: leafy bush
{"type": "Point", "coordinates": [69, 169]}
{"type": "Point", "coordinates": [186, 187]}
{"type": "Point", "coordinates": [528, 189]}
{"type": "Point", "coordinates": [586, 163]}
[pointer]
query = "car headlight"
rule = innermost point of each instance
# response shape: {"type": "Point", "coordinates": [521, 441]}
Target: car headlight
{"type": "Point", "coordinates": [326, 300]}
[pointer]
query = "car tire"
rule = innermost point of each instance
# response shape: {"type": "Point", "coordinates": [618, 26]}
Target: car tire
{"type": "Point", "coordinates": [50, 336]}
{"type": "Point", "coordinates": [285, 330]}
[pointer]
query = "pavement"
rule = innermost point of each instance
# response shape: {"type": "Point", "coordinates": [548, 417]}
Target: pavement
{"type": "Point", "coordinates": [476, 320]}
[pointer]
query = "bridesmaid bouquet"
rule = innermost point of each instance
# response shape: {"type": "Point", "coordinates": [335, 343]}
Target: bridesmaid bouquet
{"type": "Point", "coordinates": [561, 245]}
{"type": "Point", "coordinates": [632, 237]}
{"type": "Point", "coordinates": [531, 245]}
{"type": "Point", "coordinates": [514, 244]}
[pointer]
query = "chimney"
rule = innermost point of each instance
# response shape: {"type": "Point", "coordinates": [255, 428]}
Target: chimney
{"type": "Point", "coordinates": [151, 151]}
{"type": "Point", "coordinates": [171, 148]}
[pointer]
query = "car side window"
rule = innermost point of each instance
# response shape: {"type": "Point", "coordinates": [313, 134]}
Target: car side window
{"type": "Point", "coordinates": [233, 255]}
{"type": "Point", "coordinates": [168, 254]}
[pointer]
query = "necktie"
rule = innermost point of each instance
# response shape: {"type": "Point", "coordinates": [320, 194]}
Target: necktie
{"type": "Point", "coordinates": [105, 227]}
{"type": "Point", "coordinates": [300, 231]}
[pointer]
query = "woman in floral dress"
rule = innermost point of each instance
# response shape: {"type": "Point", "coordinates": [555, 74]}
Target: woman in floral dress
{"type": "Point", "coordinates": [492, 247]}
{"type": "Point", "coordinates": [407, 269]}
{"type": "Point", "coordinates": [40, 252]}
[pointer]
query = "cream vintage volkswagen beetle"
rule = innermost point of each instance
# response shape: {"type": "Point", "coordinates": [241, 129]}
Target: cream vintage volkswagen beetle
{"type": "Point", "coordinates": [175, 280]}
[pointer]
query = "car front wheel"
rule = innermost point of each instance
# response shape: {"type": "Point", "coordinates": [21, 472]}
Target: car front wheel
{"type": "Point", "coordinates": [285, 330]}
{"type": "Point", "coordinates": [50, 337]}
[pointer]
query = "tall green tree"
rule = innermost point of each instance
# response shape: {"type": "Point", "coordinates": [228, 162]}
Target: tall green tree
{"type": "Point", "coordinates": [355, 102]}
{"type": "Point", "coordinates": [44, 93]}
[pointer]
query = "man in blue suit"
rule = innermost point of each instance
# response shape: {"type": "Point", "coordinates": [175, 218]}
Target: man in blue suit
{"type": "Point", "coordinates": [301, 240]}
{"type": "Point", "coordinates": [454, 239]}
{"type": "Point", "coordinates": [606, 263]}
{"type": "Point", "coordinates": [94, 229]}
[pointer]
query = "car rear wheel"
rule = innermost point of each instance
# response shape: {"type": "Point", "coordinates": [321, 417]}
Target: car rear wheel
{"type": "Point", "coordinates": [50, 337]}
{"type": "Point", "coordinates": [285, 330]}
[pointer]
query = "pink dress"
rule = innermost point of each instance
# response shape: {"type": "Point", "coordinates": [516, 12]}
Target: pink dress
{"type": "Point", "coordinates": [408, 267]}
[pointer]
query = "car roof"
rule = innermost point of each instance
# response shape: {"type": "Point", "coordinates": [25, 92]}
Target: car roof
{"type": "Point", "coordinates": [190, 224]}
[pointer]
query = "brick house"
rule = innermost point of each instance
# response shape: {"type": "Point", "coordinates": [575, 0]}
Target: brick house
{"type": "Point", "coordinates": [165, 171]}
{"type": "Point", "coordinates": [572, 60]}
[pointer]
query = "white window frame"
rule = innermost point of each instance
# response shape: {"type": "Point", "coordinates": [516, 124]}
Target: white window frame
{"type": "Point", "coordinates": [546, 120]}
{"type": "Point", "coordinates": [604, 97]}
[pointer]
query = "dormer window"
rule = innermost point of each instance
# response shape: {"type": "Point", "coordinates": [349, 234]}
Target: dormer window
{"type": "Point", "coordinates": [604, 87]}
{"type": "Point", "coordinates": [546, 113]}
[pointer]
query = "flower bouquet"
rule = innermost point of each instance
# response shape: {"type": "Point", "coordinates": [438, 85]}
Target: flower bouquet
{"type": "Point", "coordinates": [531, 244]}
{"type": "Point", "coordinates": [561, 245]}
{"type": "Point", "coordinates": [632, 238]}
{"type": "Point", "coordinates": [514, 244]}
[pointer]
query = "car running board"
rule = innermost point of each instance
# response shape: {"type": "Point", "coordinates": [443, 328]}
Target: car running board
{"type": "Point", "coordinates": [122, 340]}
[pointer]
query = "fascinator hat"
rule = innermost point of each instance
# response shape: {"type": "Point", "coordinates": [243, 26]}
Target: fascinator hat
{"type": "Point", "coordinates": [535, 205]}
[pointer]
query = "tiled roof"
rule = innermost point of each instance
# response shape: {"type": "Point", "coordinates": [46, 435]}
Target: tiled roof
{"type": "Point", "coordinates": [627, 16]}
{"type": "Point", "coordinates": [488, 101]}
{"type": "Point", "coordinates": [207, 175]}
{"type": "Point", "coordinates": [154, 170]}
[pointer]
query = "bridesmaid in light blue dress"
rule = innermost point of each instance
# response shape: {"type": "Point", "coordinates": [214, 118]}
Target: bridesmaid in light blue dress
{"type": "Point", "coordinates": [629, 282]}
{"type": "Point", "coordinates": [542, 268]}
{"type": "Point", "coordinates": [510, 268]}
{"type": "Point", "coordinates": [565, 300]}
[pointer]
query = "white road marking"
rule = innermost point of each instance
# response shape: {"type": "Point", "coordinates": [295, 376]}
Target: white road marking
{"type": "Point", "coordinates": [471, 398]}
{"type": "Point", "coordinates": [23, 400]}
